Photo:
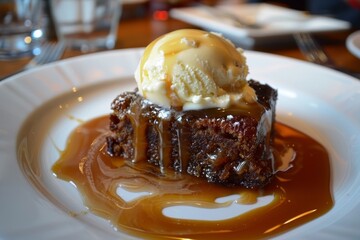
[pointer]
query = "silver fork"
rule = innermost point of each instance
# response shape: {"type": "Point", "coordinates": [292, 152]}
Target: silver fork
{"type": "Point", "coordinates": [50, 52]}
{"type": "Point", "coordinates": [314, 53]}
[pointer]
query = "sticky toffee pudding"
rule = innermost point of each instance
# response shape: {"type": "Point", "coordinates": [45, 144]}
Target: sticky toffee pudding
{"type": "Point", "coordinates": [229, 146]}
{"type": "Point", "coordinates": [196, 131]}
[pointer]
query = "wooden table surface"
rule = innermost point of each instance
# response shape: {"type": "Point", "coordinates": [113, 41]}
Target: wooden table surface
{"type": "Point", "coordinates": [140, 31]}
{"type": "Point", "coordinates": [333, 43]}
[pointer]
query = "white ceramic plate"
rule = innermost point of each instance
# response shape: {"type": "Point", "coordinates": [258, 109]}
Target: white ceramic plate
{"type": "Point", "coordinates": [51, 99]}
{"type": "Point", "coordinates": [274, 21]}
{"type": "Point", "coordinates": [353, 43]}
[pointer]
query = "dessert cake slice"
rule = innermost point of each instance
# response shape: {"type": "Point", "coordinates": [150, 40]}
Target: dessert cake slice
{"type": "Point", "coordinates": [229, 146]}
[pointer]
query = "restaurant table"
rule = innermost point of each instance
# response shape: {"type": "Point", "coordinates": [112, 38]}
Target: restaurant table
{"type": "Point", "coordinates": [333, 43]}
{"type": "Point", "coordinates": [140, 31]}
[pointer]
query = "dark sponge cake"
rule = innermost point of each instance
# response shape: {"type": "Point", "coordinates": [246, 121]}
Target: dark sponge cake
{"type": "Point", "coordinates": [227, 146]}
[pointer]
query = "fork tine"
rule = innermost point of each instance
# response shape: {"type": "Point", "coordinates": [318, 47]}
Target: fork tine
{"type": "Point", "coordinates": [49, 53]}
{"type": "Point", "coordinates": [59, 50]}
{"type": "Point", "coordinates": [314, 53]}
{"type": "Point", "coordinates": [45, 52]}
{"type": "Point", "coordinates": [311, 49]}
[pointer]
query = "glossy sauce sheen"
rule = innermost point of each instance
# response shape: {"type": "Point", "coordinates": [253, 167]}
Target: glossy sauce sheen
{"type": "Point", "coordinates": [301, 193]}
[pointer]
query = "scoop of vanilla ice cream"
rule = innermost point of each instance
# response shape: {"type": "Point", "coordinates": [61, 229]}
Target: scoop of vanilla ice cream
{"type": "Point", "coordinates": [193, 69]}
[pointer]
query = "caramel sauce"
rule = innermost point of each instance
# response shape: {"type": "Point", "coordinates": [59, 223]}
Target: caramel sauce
{"type": "Point", "coordinates": [301, 193]}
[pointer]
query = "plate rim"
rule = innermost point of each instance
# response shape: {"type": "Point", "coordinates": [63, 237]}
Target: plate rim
{"type": "Point", "coordinates": [16, 78]}
{"type": "Point", "coordinates": [351, 46]}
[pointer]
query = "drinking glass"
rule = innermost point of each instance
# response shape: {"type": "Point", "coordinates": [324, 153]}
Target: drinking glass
{"type": "Point", "coordinates": [21, 28]}
{"type": "Point", "coordinates": [87, 25]}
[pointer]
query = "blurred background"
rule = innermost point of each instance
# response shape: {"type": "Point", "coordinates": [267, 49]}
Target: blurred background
{"type": "Point", "coordinates": [87, 26]}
